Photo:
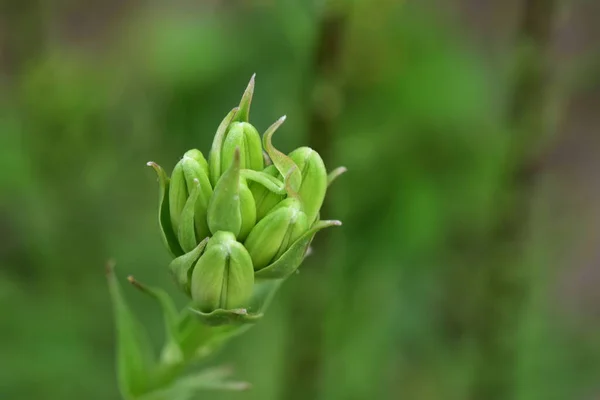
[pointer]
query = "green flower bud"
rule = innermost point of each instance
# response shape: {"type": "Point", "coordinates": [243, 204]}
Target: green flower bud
{"type": "Point", "coordinates": [275, 233]}
{"type": "Point", "coordinates": [233, 133]}
{"type": "Point", "coordinates": [244, 136]}
{"type": "Point", "coordinates": [189, 195]}
{"type": "Point", "coordinates": [289, 261]}
{"type": "Point", "coordinates": [247, 209]}
{"type": "Point", "coordinates": [199, 157]}
{"type": "Point", "coordinates": [223, 277]}
{"type": "Point", "coordinates": [314, 180]}
{"type": "Point", "coordinates": [224, 208]}
{"type": "Point", "coordinates": [264, 198]}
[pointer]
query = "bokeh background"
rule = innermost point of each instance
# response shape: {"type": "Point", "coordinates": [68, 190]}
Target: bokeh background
{"type": "Point", "coordinates": [467, 267]}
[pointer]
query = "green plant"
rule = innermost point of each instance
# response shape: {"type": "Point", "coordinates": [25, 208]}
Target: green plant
{"type": "Point", "coordinates": [237, 225]}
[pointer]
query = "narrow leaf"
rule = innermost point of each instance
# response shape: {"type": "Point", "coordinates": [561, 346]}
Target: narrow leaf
{"type": "Point", "coordinates": [171, 354]}
{"type": "Point", "coordinates": [135, 360]}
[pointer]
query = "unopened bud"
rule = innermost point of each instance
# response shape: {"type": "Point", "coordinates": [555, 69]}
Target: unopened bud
{"type": "Point", "coordinates": [189, 194]}
{"type": "Point", "coordinates": [244, 136]}
{"type": "Point", "coordinates": [273, 235]}
{"type": "Point", "coordinates": [223, 277]}
{"type": "Point", "coordinates": [224, 210]}
{"type": "Point", "coordinates": [314, 180]}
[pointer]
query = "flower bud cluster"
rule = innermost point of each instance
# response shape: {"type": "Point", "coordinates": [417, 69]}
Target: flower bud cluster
{"type": "Point", "coordinates": [246, 214]}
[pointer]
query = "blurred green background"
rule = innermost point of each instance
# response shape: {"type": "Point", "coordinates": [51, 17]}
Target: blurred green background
{"type": "Point", "coordinates": [467, 266]}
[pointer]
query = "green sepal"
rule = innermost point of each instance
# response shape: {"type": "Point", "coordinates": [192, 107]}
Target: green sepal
{"type": "Point", "coordinates": [267, 190]}
{"type": "Point", "coordinates": [199, 339]}
{"type": "Point", "coordinates": [214, 157]}
{"type": "Point", "coordinates": [243, 114]}
{"type": "Point", "coordinates": [224, 213]}
{"type": "Point", "coordinates": [289, 262]}
{"type": "Point", "coordinates": [248, 211]}
{"type": "Point", "coordinates": [193, 171]}
{"type": "Point", "coordinates": [164, 220]}
{"type": "Point", "coordinates": [187, 225]}
{"type": "Point", "coordinates": [135, 358]}
{"type": "Point", "coordinates": [181, 268]}
{"type": "Point", "coordinates": [284, 164]}
{"type": "Point", "coordinates": [269, 181]}
{"type": "Point", "coordinates": [178, 195]}
{"type": "Point", "coordinates": [333, 175]}
{"type": "Point", "coordinates": [220, 316]}
{"type": "Point", "coordinates": [262, 295]}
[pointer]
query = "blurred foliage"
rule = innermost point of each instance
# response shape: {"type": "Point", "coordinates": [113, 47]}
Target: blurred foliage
{"type": "Point", "coordinates": [388, 307]}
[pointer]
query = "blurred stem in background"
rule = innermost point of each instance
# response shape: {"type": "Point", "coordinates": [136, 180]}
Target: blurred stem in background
{"type": "Point", "coordinates": [306, 333]}
{"type": "Point", "coordinates": [509, 280]}
{"type": "Point", "coordinates": [30, 19]}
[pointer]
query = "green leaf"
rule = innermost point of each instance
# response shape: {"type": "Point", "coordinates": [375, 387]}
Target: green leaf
{"type": "Point", "coordinates": [135, 358]}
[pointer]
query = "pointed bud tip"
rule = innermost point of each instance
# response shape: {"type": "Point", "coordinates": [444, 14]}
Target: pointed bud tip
{"type": "Point", "coordinates": [152, 164]}
{"type": "Point", "coordinates": [109, 268]}
{"type": "Point", "coordinates": [137, 284]}
{"type": "Point", "coordinates": [242, 386]}
{"type": "Point", "coordinates": [282, 119]}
